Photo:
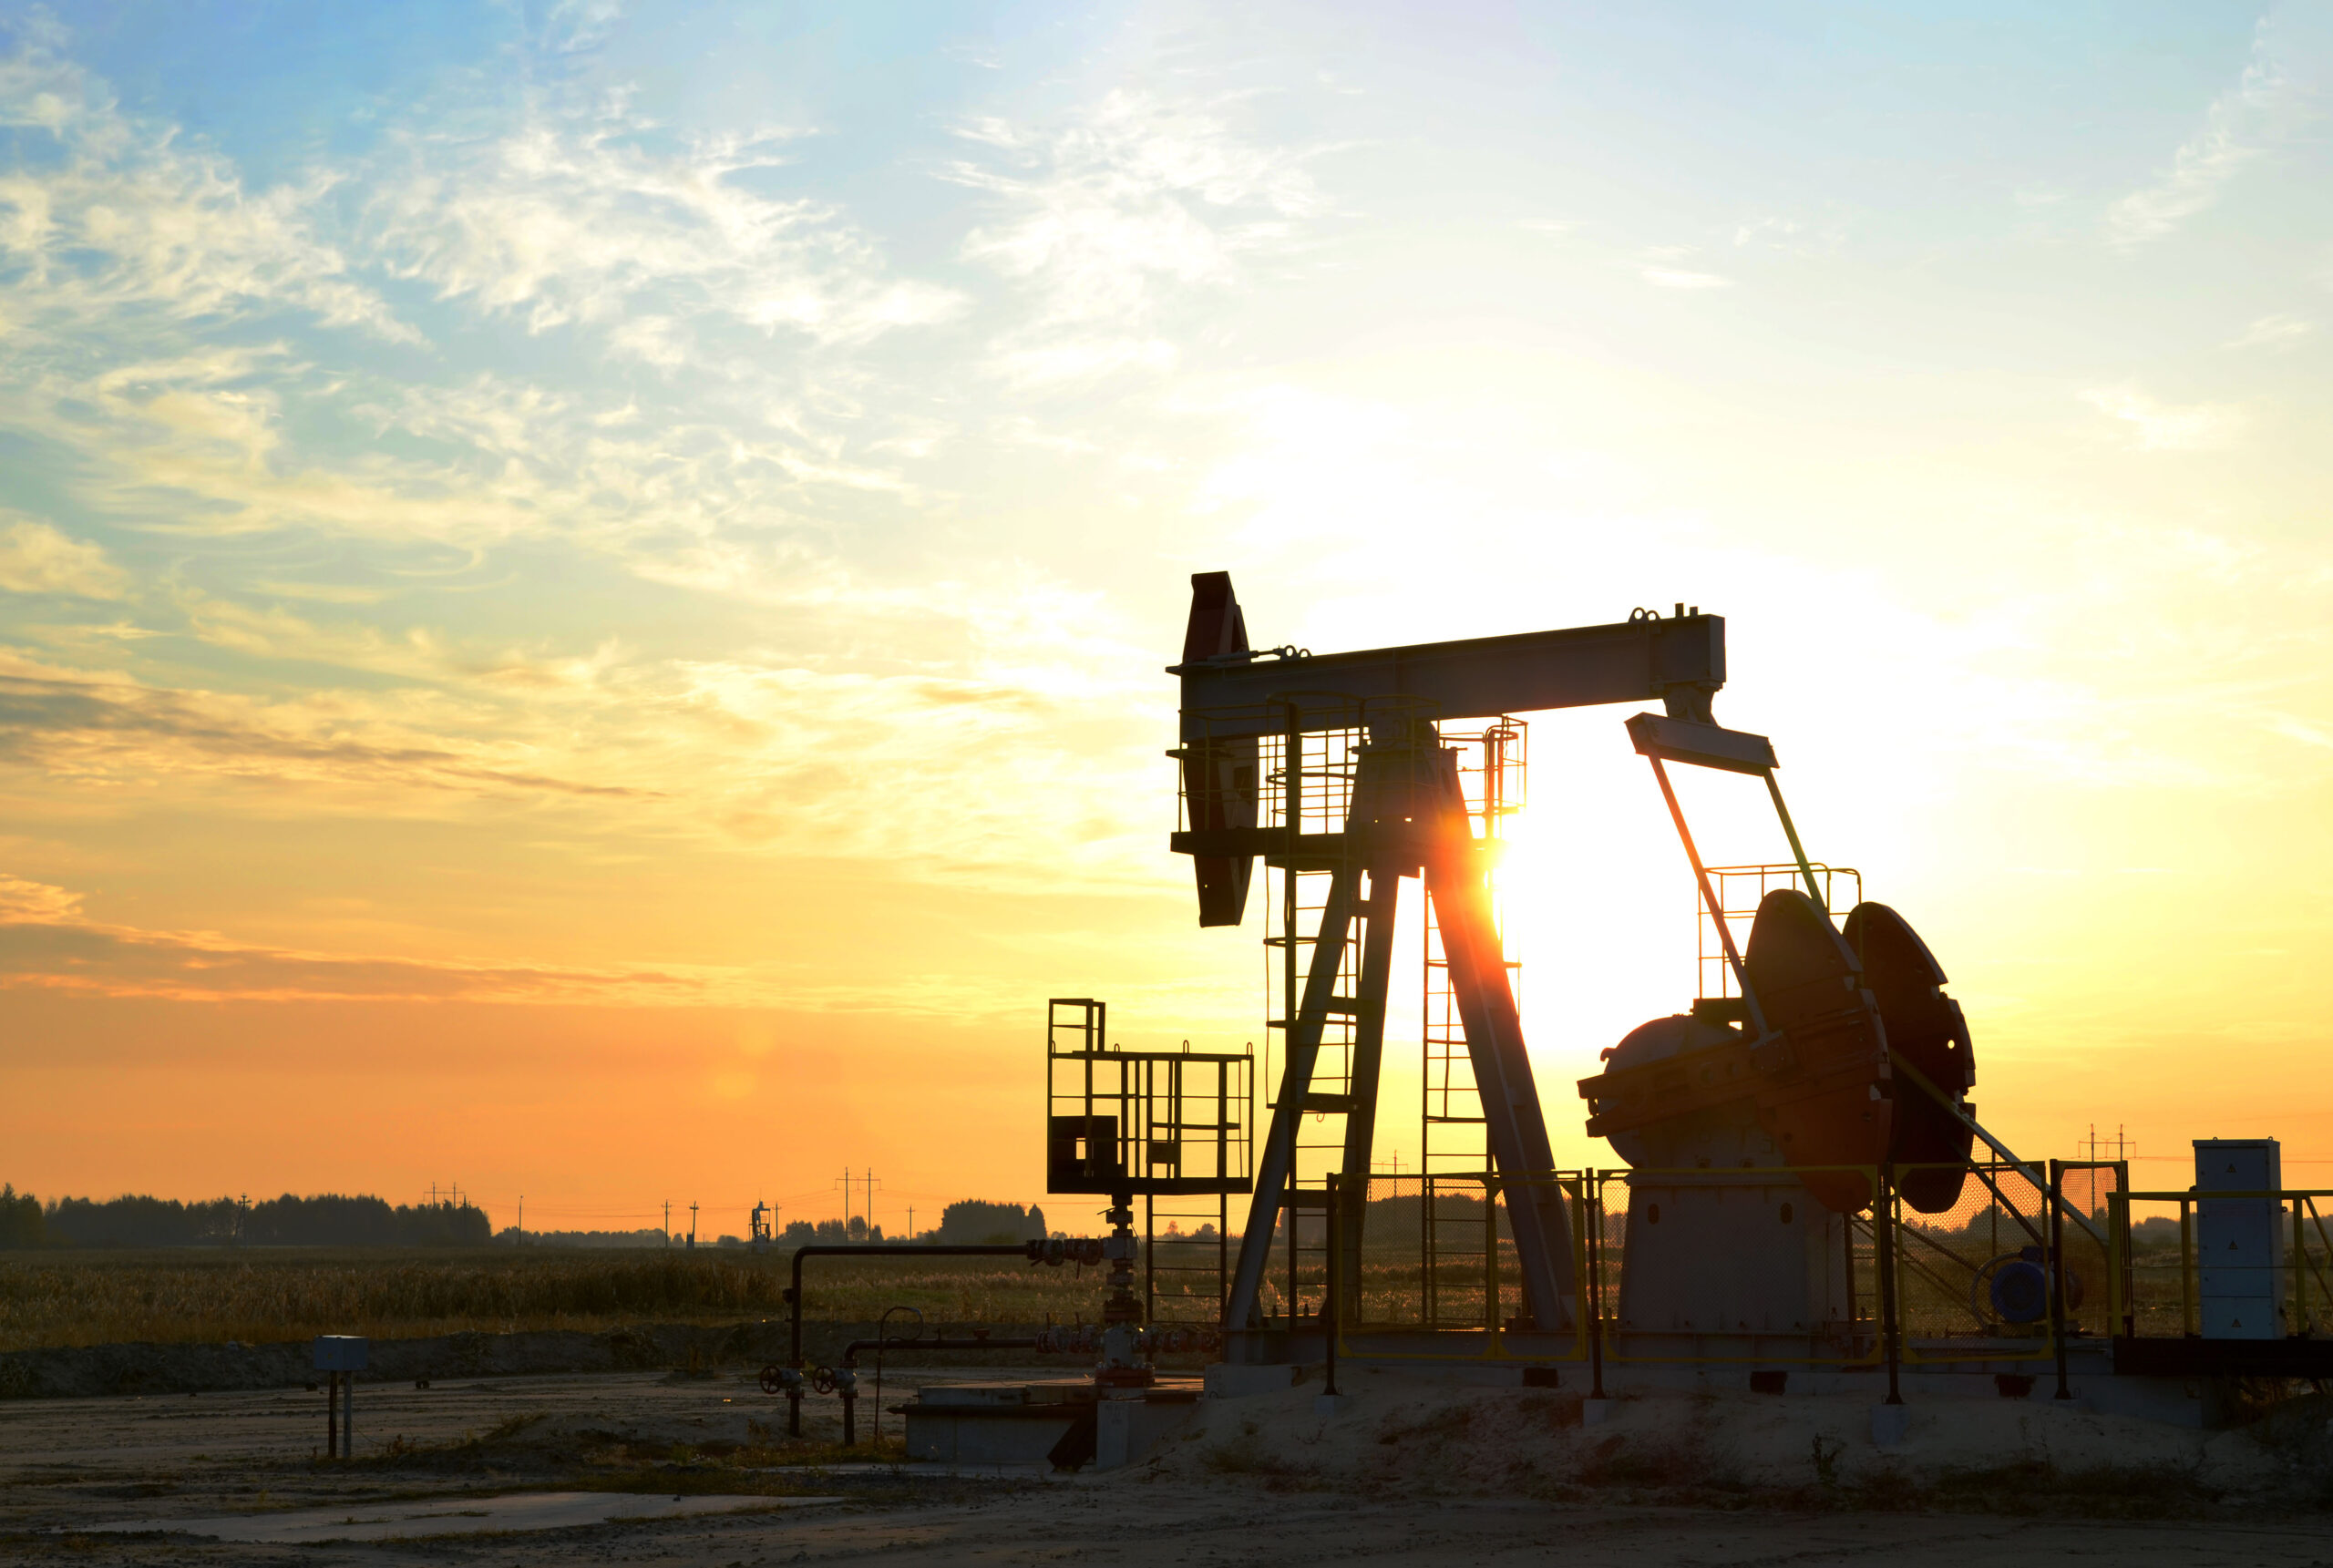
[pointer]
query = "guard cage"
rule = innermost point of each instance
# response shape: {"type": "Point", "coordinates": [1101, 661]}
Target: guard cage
{"type": "Point", "coordinates": [1133, 1124]}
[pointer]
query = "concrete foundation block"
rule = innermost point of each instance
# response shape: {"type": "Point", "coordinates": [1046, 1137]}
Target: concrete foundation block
{"type": "Point", "coordinates": [1126, 1431]}
{"type": "Point", "coordinates": [1226, 1381]}
{"type": "Point", "coordinates": [985, 1437]}
{"type": "Point", "coordinates": [1596, 1412]}
{"type": "Point", "coordinates": [1331, 1404]}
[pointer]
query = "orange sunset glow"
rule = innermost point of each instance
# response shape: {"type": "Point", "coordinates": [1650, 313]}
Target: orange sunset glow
{"type": "Point", "coordinates": [585, 609]}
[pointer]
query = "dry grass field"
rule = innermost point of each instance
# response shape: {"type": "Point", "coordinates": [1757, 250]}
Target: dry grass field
{"type": "Point", "coordinates": [257, 1295]}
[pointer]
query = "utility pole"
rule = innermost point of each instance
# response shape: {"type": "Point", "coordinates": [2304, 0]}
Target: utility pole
{"type": "Point", "coordinates": [691, 1224]}
{"type": "Point", "coordinates": [668, 1222]}
{"type": "Point", "coordinates": [522, 1219]}
{"type": "Point", "coordinates": [845, 1202]}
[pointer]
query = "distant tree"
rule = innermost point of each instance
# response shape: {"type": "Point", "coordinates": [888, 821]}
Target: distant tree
{"type": "Point", "coordinates": [799, 1232]}
{"type": "Point", "coordinates": [976, 1223]}
{"type": "Point", "coordinates": [21, 1225]}
{"type": "Point", "coordinates": [832, 1233]}
{"type": "Point", "coordinates": [651, 1236]}
{"type": "Point", "coordinates": [327, 1219]}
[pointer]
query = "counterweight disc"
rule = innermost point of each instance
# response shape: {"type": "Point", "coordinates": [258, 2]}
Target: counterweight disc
{"type": "Point", "coordinates": [1824, 1101]}
{"type": "Point", "coordinates": [1926, 1031]}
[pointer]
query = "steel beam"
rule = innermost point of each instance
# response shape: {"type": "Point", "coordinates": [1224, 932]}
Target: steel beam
{"type": "Point", "coordinates": [1679, 661]}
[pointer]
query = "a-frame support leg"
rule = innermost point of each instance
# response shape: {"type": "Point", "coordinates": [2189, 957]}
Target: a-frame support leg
{"type": "Point", "coordinates": [1278, 1160]}
{"type": "Point", "coordinates": [1514, 1127]}
{"type": "Point", "coordinates": [1368, 1059]}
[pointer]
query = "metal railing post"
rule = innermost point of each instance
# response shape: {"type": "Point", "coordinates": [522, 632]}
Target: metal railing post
{"type": "Point", "coordinates": [1490, 1260]}
{"type": "Point", "coordinates": [2119, 1308]}
{"type": "Point", "coordinates": [2300, 1271]}
{"type": "Point", "coordinates": [1332, 1319]}
{"type": "Point", "coordinates": [2057, 1275]}
{"type": "Point", "coordinates": [1883, 1214]}
{"type": "Point", "coordinates": [1591, 1226]}
{"type": "Point", "coordinates": [2186, 1275]}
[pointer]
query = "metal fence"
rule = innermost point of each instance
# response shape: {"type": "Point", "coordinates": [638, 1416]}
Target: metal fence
{"type": "Point", "coordinates": [2166, 1278]}
{"type": "Point", "coordinates": [1990, 1278]}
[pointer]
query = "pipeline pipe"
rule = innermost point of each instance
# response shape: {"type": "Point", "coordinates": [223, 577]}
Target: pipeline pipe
{"type": "Point", "coordinates": [1034, 1252]}
{"type": "Point", "coordinates": [851, 1351]}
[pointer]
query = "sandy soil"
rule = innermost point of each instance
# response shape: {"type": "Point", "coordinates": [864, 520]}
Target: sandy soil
{"type": "Point", "coordinates": [1409, 1473]}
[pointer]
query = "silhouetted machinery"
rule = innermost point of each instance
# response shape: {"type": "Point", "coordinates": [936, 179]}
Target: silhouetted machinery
{"type": "Point", "coordinates": [1831, 1048]}
{"type": "Point", "coordinates": [1798, 1068]}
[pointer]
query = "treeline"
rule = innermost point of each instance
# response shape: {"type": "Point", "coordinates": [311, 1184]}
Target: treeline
{"type": "Point", "coordinates": [825, 1232]}
{"type": "Point", "coordinates": [511, 1236]}
{"type": "Point", "coordinates": [327, 1219]}
{"type": "Point", "coordinates": [330, 1219]}
{"type": "Point", "coordinates": [970, 1223]}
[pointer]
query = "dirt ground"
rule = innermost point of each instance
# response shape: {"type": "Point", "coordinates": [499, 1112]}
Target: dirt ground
{"type": "Point", "coordinates": [658, 1469]}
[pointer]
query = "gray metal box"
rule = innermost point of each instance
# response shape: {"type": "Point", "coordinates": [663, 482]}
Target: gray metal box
{"type": "Point", "coordinates": [341, 1352]}
{"type": "Point", "coordinates": [1733, 1252]}
{"type": "Point", "coordinates": [2240, 1241]}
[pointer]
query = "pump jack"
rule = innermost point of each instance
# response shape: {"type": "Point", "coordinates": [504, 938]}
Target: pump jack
{"type": "Point", "coordinates": [1405, 816]}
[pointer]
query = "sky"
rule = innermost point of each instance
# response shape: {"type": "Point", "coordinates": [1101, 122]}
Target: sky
{"type": "Point", "coordinates": [583, 588]}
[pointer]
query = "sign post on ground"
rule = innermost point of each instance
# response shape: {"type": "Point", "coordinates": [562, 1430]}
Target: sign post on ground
{"type": "Point", "coordinates": [340, 1356]}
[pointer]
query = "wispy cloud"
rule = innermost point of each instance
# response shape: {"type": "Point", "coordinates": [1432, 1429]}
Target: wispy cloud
{"type": "Point", "coordinates": [2267, 101]}
{"type": "Point", "coordinates": [2166, 427]}
{"type": "Point", "coordinates": [590, 214]}
{"type": "Point", "coordinates": [114, 220]}
{"type": "Point", "coordinates": [2301, 730]}
{"type": "Point", "coordinates": [1671, 267]}
{"type": "Point", "coordinates": [98, 727]}
{"type": "Point", "coordinates": [35, 558]}
{"type": "Point", "coordinates": [49, 941]}
{"type": "Point", "coordinates": [1107, 217]}
{"type": "Point", "coordinates": [2273, 331]}
{"type": "Point", "coordinates": [1681, 278]}
{"type": "Point", "coordinates": [1778, 231]}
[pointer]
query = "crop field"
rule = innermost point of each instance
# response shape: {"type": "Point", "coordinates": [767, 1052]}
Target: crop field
{"type": "Point", "coordinates": [257, 1295]}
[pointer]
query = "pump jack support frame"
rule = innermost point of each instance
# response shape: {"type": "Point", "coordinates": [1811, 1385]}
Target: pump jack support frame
{"type": "Point", "coordinates": [1408, 816]}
